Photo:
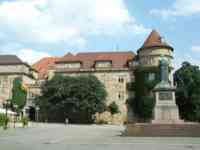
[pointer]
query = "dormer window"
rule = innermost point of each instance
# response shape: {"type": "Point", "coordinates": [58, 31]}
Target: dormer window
{"type": "Point", "coordinates": [69, 65]}
{"type": "Point", "coordinates": [103, 64]}
{"type": "Point", "coordinates": [73, 65]}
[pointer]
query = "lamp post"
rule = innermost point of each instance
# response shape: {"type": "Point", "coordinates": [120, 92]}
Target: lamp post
{"type": "Point", "coordinates": [37, 113]}
{"type": "Point", "coordinates": [15, 115]}
{"type": "Point", "coordinates": [6, 104]}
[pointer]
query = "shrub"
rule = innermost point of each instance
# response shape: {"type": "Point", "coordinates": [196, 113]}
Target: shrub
{"type": "Point", "coordinates": [113, 108]}
{"type": "Point", "coordinates": [145, 107]}
{"type": "Point", "coordinates": [3, 120]}
{"type": "Point", "coordinates": [103, 118]}
{"type": "Point", "coordinates": [24, 121]}
{"type": "Point", "coordinates": [101, 121]}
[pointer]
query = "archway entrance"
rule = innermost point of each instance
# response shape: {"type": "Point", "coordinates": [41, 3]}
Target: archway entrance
{"type": "Point", "coordinates": [32, 113]}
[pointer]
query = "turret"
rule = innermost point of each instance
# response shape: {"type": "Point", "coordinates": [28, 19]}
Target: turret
{"type": "Point", "coordinates": [153, 48]}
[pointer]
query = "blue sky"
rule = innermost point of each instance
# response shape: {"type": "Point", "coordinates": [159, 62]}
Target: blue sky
{"type": "Point", "coordinates": [33, 29]}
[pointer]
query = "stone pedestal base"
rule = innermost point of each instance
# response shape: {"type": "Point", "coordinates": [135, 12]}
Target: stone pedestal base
{"type": "Point", "coordinates": [166, 114]}
{"type": "Point", "coordinates": [166, 111]}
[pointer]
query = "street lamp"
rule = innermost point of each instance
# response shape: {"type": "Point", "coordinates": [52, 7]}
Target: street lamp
{"type": "Point", "coordinates": [37, 113]}
{"type": "Point", "coordinates": [15, 115]}
{"type": "Point", "coordinates": [6, 104]}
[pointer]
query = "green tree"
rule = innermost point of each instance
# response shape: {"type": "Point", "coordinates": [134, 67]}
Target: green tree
{"type": "Point", "coordinates": [76, 98]}
{"type": "Point", "coordinates": [19, 94]}
{"type": "Point", "coordinates": [187, 79]}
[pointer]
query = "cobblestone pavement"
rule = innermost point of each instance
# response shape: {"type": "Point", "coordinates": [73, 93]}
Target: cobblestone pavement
{"type": "Point", "coordinates": [86, 137]}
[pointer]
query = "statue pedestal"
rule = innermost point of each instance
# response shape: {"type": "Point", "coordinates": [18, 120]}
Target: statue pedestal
{"type": "Point", "coordinates": [165, 111]}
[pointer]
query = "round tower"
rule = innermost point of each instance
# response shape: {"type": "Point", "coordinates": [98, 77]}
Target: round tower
{"type": "Point", "coordinates": [153, 48]}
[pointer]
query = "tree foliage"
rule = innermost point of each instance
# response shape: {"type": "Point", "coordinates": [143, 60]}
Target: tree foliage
{"type": "Point", "coordinates": [19, 94]}
{"type": "Point", "coordinates": [76, 98]}
{"type": "Point", "coordinates": [187, 79]}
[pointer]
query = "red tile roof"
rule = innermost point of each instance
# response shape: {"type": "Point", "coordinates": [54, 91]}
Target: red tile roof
{"type": "Point", "coordinates": [69, 57]}
{"type": "Point", "coordinates": [43, 65]}
{"type": "Point", "coordinates": [154, 40]}
{"type": "Point", "coordinates": [118, 59]}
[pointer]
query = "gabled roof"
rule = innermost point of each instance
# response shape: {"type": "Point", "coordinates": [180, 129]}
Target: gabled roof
{"type": "Point", "coordinates": [118, 59]}
{"type": "Point", "coordinates": [10, 60]}
{"type": "Point", "coordinates": [69, 57]}
{"type": "Point", "coordinates": [43, 65]}
{"type": "Point", "coordinates": [154, 40]}
{"type": "Point", "coordinates": [13, 60]}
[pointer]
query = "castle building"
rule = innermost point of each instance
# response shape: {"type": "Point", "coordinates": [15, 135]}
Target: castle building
{"type": "Point", "coordinates": [114, 69]}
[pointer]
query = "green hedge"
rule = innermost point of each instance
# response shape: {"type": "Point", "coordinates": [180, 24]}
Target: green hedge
{"type": "Point", "coordinates": [19, 94]}
{"type": "Point", "coordinates": [143, 103]}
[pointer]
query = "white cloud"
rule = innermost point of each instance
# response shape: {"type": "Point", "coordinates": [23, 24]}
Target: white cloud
{"type": "Point", "coordinates": [196, 48]}
{"type": "Point", "coordinates": [27, 54]}
{"type": "Point", "coordinates": [179, 8]}
{"type": "Point", "coordinates": [31, 56]}
{"type": "Point", "coordinates": [64, 21]}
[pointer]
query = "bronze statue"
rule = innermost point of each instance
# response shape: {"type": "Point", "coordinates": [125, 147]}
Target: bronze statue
{"type": "Point", "coordinates": [164, 69]}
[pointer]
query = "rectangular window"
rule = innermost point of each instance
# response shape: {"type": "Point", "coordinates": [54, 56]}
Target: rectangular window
{"type": "Point", "coordinates": [103, 64]}
{"type": "Point", "coordinates": [121, 95]}
{"type": "Point", "coordinates": [121, 78]}
{"type": "Point", "coordinates": [151, 76]}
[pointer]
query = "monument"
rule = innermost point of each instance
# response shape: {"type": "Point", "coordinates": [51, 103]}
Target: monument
{"type": "Point", "coordinates": [165, 120]}
{"type": "Point", "coordinates": [165, 111]}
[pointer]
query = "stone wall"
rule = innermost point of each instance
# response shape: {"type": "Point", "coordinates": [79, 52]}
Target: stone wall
{"type": "Point", "coordinates": [116, 87]}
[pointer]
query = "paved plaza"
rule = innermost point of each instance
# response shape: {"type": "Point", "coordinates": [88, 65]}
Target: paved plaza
{"type": "Point", "coordinates": [86, 137]}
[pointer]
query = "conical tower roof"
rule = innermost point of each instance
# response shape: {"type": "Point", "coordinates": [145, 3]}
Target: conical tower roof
{"type": "Point", "coordinates": [155, 40]}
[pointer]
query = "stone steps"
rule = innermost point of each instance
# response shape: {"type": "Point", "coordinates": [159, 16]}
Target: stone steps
{"type": "Point", "coordinates": [161, 130]}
